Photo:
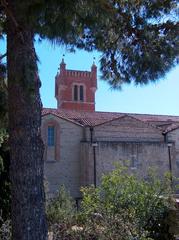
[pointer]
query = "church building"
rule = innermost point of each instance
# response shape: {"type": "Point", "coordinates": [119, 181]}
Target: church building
{"type": "Point", "coordinates": [82, 144]}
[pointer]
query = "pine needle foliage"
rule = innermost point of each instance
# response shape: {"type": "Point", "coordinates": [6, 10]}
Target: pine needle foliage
{"type": "Point", "coordinates": [138, 42]}
{"type": "Point", "coordinates": [138, 39]}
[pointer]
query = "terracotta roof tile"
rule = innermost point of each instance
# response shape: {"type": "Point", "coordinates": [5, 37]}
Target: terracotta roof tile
{"type": "Point", "coordinates": [95, 118]}
{"type": "Point", "coordinates": [171, 127]}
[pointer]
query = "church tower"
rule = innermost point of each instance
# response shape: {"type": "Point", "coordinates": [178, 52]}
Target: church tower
{"type": "Point", "coordinates": [75, 90]}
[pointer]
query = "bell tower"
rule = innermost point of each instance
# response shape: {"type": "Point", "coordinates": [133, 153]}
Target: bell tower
{"type": "Point", "coordinates": [75, 90]}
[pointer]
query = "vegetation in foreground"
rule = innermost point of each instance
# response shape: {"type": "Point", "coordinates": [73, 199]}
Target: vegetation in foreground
{"type": "Point", "coordinates": [122, 208]}
{"type": "Point", "coordinates": [138, 41]}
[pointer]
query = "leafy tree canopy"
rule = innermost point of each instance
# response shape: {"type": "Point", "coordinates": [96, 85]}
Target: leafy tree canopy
{"type": "Point", "coordinates": [137, 39]}
{"type": "Point", "coordinates": [138, 43]}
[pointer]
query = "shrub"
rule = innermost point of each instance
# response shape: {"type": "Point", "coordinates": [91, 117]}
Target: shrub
{"type": "Point", "coordinates": [5, 229]}
{"type": "Point", "coordinates": [124, 207]}
{"type": "Point", "coordinates": [60, 208]}
{"type": "Point", "coordinates": [121, 208]}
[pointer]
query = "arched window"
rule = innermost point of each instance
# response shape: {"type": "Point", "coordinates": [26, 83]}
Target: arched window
{"type": "Point", "coordinates": [75, 94]}
{"type": "Point", "coordinates": [81, 93]}
{"type": "Point", "coordinates": [51, 136]}
{"type": "Point", "coordinates": [78, 93]}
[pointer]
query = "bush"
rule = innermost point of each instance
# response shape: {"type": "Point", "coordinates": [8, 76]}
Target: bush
{"type": "Point", "coordinates": [128, 208]}
{"type": "Point", "coordinates": [122, 208]}
{"type": "Point", "coordinates": [5, 229]}
{"type": "Point", "coordinates": [62, 216]}
{"type": "Point", "coordinates": [60, 208]}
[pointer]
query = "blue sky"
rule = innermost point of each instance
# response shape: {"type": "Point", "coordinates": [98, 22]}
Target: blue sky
{"type": "Point", "coordinates": [155, 98]}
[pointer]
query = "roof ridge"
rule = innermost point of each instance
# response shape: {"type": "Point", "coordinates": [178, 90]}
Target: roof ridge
{"type": "Point", "coordinates": [147, 114]}
{"type": "Point", "coordinates": [99, 117]}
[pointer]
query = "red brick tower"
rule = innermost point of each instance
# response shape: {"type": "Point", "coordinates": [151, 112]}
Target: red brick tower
{"type": "Point", "coordinates": [75, 90]}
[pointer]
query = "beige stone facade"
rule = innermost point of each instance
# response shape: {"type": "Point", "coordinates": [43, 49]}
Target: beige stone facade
{"type": "Point", "coordinates": [131, 142]}
{"type": "Point", "coordinates": [81, 146]}
{"type": "Point", "coordinates": [64, 169]}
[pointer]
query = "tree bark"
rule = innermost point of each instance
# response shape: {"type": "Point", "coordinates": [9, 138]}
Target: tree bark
{"type": "Point", "coordinates": [26, 147]}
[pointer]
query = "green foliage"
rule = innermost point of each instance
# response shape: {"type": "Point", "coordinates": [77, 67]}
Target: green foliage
{"type": "Point", "coordinates": [60, 208]}
{"type": "Point", "coordinates": [5, 229]}
{"type": "Point", "coordinates": [138, 39]}
{"type": "Point", "coordinates": [122, 208]}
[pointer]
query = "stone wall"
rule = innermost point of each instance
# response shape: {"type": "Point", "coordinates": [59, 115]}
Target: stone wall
{"type": "Point", "coordinates": [148, 155]}
{"type": "Point", "coordinates": [64, 170]}
{"type": "Point", "coordinates": [126, 129]}
{"type": "Point", "coordinates": [173, 137]}
{"type": "Point", "coordinates": [128, 141]}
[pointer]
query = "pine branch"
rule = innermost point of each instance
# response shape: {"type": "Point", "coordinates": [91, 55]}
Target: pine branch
{"type": "Point", "coordinates": [3, 56]}
{"type": "Point", "coordinates": [9, 13]}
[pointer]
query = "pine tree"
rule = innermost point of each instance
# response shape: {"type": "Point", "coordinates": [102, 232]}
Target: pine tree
{"type": "Point", "coordinates": [138, 42]}
{"type": "Point", "coordinates": [4, 151]}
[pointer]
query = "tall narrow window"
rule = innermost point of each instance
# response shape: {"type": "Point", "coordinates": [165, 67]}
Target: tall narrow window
{"type": "Point", "coordinates": [75, 93]}
{"type": "Point", "coordinates": [81, 93]}
{"type": "Point", "coordinates": [51, 136]}
{"type": "Point", "coordinates": [78, 93]}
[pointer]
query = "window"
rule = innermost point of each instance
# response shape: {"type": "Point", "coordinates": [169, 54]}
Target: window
{"type": "Point", "coordinates": [78, 93]}
{"type": "Point", "coordinates": [81, 93]}
{"type": "Point", "coordinates": [51, 136]}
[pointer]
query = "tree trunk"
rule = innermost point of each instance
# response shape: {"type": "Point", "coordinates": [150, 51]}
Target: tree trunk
{"type": "Point", "coordinates": [26, 147]}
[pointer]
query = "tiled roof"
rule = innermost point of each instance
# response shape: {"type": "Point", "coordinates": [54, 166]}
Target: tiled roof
{"type": "Point", "coordinates": [171, 127]}
{"type": "Point", "coordinates": [83, 118]}
{"type": "Point", "coordinates": [95, 118]}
